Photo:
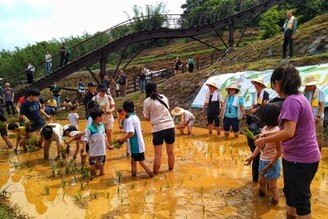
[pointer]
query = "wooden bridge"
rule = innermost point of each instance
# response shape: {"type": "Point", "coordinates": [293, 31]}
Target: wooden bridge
{"type": "Point", "coordinates": [98, 47]}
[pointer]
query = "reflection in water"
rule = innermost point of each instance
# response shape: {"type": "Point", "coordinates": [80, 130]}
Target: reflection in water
{"type": "Point", "coordinates": [209, 181]}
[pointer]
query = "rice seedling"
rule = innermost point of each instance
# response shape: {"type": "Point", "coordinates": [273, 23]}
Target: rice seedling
{"type": "Point", "coordinates": [122, 200]}
{"type": "Point", "coordinates": [77, 197]}
{"type": "Point", "coordinates": [118, 190]}
{"type": "Point", "coordinates": [145, 183]}
{"type": "Point", "coordinates": [94, 195]}
{"type": "Point", "coordinates": [81, 186]}
{"type": "Point", "coordinates": [203, 209]}
{"type": "Point", "coordinates": [63, 183]}
{"type": "Point", "coordinates": [108, 182]}
{"type": "Point", "coordinates": [201, 191]}
{"type": "Point", "coordinates": [148, 192]}
{"type": "Point", "coordinates": [46, 190]}
{"type": "Point", "coordinates": [63, 196]}
{"type": "Point", "coordinates": [145, 201]}
{"type": "Point", "coordinates": [132, 186]}
{"type": "Point", "coordinates": [108, 195]}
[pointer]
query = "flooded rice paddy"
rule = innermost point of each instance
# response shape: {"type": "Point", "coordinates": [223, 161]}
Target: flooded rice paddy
{"type": "Point", "coordinates": [209, 181]}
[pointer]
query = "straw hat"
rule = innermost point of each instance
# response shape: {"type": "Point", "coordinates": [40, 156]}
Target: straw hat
{"type": "Point", "coordinates": [233, 86]}
{"type": "Point", "coordinates": [310, 81]}
{"type": "Point", "coordinates": [212, 83]}
{"type": "Point", "coordinates": [259, 81]}
{"type": "Point", "coordinates": [177, 111]}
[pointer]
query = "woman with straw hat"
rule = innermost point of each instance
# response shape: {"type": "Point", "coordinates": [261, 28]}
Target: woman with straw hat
{"type": "Point", "coordinates": [232, 111]}
{"type": "Point", "coordinates": [213, 103]}
{"type": "Point", "coordinates": [260, 96]}
{"type": "Point", "coordinates": [185, 118]}
{"type": "Point", "coordinates": [317, 100]}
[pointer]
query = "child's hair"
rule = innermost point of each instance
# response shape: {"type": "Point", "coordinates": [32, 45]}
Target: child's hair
{"type": "Point", "coordinates": [120, 110]}
{"type": "Point", "coordinates": [91, 104]}
{"type": "Point", "coordinates": [68, 128]}
{"type": "Point", "coordinates": [34, 92]}
{"type": "Point", "coordinates": [12, 126]}
{"type": "Point", "coordinates": [269, 114]}
{"type": "Point", "coordinates": [73, 108]}
{"type": "Point", "coordinates": [96, 112]}
{"type": "Point", "coordinates": [128, 106]}
{"type": "Point", "coordinates": [47, 132]}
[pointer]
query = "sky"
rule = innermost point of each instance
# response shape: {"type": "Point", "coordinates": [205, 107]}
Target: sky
{"type": "Point", "coordinates": [24, 22]}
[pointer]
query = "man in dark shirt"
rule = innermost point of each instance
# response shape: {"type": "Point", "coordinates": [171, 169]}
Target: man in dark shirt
{"type": "Point", "coordinates": [88, 96]}
{"type": "Point", "coordinates": [56, 94]}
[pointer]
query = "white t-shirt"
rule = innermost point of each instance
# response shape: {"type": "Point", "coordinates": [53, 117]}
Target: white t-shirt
{"type": "Point", "coordinates": [160, 117]}
{"type": "Point", "coordinates": [57, 134]}
{"type": "Point", "coordinates": [105, 103]}
{"type": "Point", "coordinates": [135, 143]}
{"type": "Point", "coordinates": [73, 119]}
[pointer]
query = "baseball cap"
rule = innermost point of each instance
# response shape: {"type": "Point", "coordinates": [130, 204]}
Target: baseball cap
{"type": "Point", "coordinates": [92, 84]}
{"type": "Point", "coordinates": [102, 87]}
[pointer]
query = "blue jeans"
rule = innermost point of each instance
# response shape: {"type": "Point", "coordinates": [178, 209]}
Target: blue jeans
{"type": "Point", "coordinates": [48, 67]}
{"type": "Point", "coordinates": [142, 84]}
{"type": "Point", "coordinates": [57, 98]}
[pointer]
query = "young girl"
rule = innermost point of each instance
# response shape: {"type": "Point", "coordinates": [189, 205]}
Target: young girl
{"type": "Point", "coordinates": [73, 117]}
{"type": "Point", "coordinates": [269, 167]}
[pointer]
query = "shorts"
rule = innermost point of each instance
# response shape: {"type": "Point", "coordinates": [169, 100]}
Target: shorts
{"type": "Point", "coordinates": [213, 117]}
{"type": "Point", "coordinates": [138, 157]}
{"type": "Point", "coordinates": [191, 123]}
{"type": "Point", "coordinates": [109, 125]}
{"type": "Point", "coordinates": [100, 160]}
{"type": "Point", "coordinates": [233, 122]}
{"type": "Point", "coordinates": [168, 135]}
{"type": "Point", "coordinates": [274, 171]}
{"type": "Point", "coordinates": [297, 181]}
{"type": "Point", "coordinates": [3, 131]}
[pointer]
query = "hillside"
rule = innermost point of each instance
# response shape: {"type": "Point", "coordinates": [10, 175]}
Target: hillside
{"type": "Point", "coordinates": [310, 47]}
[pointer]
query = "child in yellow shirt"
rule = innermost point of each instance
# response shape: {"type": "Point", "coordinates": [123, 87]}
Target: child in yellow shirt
{"type": "Point", "coordinates": [21, 135]}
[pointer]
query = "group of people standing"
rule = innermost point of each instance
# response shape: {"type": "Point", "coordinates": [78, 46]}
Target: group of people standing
{"type": "Point", "coordinates": [290, 125]}
{"type": "Point", "coordinates": [178, 65]}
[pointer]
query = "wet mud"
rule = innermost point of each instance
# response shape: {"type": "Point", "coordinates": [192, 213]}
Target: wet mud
{"type": "Point", "coordinates": [209, 181]}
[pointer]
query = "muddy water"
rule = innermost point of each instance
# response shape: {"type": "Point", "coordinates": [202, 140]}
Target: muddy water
{"type": "Point", "coordinates": [209, 181]}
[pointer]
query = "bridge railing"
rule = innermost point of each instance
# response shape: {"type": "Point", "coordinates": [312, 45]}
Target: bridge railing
{"type": "Point", "coordinates": [129, 27]}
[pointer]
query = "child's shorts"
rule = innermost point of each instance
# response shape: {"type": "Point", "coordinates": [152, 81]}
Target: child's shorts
{"type": "Point", "coordinates": [100, 160]}
{"type": "Point", "coordinates": [138, 157]}
{"type": "Point", "coordinates": [274, 171]}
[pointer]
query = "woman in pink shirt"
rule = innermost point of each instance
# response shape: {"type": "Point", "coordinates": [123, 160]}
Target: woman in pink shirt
{"type": "Point", "coordinates": [300, 149]}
